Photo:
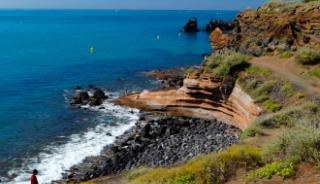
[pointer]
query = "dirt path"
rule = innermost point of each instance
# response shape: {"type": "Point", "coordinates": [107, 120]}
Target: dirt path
{"type": "Point", "coordinates": [289, 70]}
{"type": "Point", "coordinates": [109, 180]}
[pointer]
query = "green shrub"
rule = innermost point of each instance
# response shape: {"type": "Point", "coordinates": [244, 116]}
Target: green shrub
{"type": "Point", "coordinates": [284, 169]}
{"type": "Point", "coordinates": [272, 106]}
{"type": "Point", "coordinates": [307, 56]}
{"type": "Point", "coordinates": [290, 116]}
{"type": "Point", "coordinates": [257, 88]}
{"type": "Point", "coordinates": [301, 143]}
{"type": "Point", "coordinates": [189, 71]}
{"type": "Point", "coordinates": [229, 64]}
{"type": "Point", "coordinates": [213, 61]}
{"type": "Point", "coordinates": [252, 131]}
{"type": "Point", "coordinates": [251, 85]}
{"type": "Point", "coordinates": [137, 172]}
{"type": "Point", "coordinates": [286, 54]}
{"type": "Point", "coordinates": [185, 179]}
{"type": "Point", "coordinates": [299, 95]}
{"type": "Point", "coordinates": [307, 1]}
{"type": "Point", "coordinates": [286, 118]}
{"type": "Point", "coordinates": [213, 168]}
{"type": "Point", "coordinates": [287, 88]}
{"type": "Point", "coordinates": [256, 70]}
{"type": "Point", "coordinates": [264, 89]}
{"type": "Point", "coordinates": [316, 72]}
{"type": "Point", "coordinates": [261, 99]}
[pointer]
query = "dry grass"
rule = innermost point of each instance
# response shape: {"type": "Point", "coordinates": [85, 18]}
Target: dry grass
{"type": "Point", "coordinates": [213, 168]}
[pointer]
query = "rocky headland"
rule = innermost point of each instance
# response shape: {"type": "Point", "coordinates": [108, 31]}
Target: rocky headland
{"type": "Point", "coordinates": [205, 109]}
{"type": "Point", "coordinates": [274, 27]}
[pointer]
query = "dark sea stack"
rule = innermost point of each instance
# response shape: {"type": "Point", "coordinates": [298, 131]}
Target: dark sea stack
{"type": "Point", "coordinates": [157, 141]}
{"type": "Point", "coordinates": [191, 26]}
{"type": "Point", "coordinates": [93, 96]}
{"type": "Point", "coordinates": [81, 98]}
{"type": "Point", "coordinates": [225, 26]}
{"type": "Point", "coordinates": [98, 97]}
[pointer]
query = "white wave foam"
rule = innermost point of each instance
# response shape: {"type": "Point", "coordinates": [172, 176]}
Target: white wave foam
{"type": "Point", "coordinates": [54, 160]}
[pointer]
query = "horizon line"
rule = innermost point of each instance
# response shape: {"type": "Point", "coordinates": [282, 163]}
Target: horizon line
{"type": "Point", "coordinates": [115, 9]}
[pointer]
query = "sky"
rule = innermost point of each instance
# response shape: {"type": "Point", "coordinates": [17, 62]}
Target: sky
{"type": "Point", "coordinates": [132, 4]}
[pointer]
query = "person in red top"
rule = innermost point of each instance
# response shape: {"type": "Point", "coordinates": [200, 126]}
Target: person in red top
{"type": "Point", "coordinates": [33, 178]}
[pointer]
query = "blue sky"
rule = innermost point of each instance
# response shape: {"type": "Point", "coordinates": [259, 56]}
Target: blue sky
{"type": "Point", "coordinates": [132, 4]}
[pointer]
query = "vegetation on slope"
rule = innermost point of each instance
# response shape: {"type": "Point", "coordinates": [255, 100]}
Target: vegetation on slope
{"type": "Point", "coordinates": [290, 117]}
{"type": "Point", "coordinates": [315, 72]}
{"type": "Point", "coordinates": [297, 120]}
{"type": "Point", "coordinates": [307, 56]}
{"type": "Point", "coordinates": [221, 65]}
{"type": "Point", "coordinates": [284, 169]}
{"type": "Point", "coordinates": [266, 89]}
{"type": "Point", "coordinates": [299, 142]}
{"type": "Point", "coordinates": [212, 168]}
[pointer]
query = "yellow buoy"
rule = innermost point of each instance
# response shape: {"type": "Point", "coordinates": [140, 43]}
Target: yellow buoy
{"type": "Point", "coordinates": [91, 50]}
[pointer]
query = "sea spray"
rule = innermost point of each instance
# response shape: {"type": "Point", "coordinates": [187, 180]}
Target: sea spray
{"type": "Point", "coordinates": [54, 160]}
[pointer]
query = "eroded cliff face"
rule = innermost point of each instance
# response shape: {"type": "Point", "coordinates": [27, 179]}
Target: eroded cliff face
{"type": "Point", "coordinates": [272, 27]}
{"type": "Point", "coordinates": [200, 98]}
{"type": "Point", "coordinates": [298, 22]}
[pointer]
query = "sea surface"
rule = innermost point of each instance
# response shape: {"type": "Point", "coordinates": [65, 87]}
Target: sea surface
{"type": "Point", "coordinates": [44, 54]}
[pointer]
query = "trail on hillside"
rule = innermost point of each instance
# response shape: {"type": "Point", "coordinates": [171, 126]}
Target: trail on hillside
{"type": "Point", "coordinates": [287, 69]}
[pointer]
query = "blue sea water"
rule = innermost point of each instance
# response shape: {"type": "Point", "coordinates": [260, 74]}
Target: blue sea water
{"type": "Point", "coordinates": [45, 53]}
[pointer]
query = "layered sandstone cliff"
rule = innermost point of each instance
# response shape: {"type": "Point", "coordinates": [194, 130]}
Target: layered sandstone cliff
{"type": "Point", "coordinates": [201, 98]}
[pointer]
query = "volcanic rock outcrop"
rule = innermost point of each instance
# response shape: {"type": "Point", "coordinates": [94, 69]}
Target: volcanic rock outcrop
{"type": "Point", "coordinates": [218, 40]}
{"type": "Point", "coordinates": [276, 27]}
{"type": "Point", "coordinates": [225, 26]}
{"type": "Point", "coordinates": [93, 96]}
{"type": "Point", "coordinates": [191, 26]}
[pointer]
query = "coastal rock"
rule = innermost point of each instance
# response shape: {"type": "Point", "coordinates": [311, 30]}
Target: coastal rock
{"type": "Point", "coordinates": [218, 40]}
{"type": "Point", "coordinates": [201, 97]}
{"type": "Point", "coordinates": [157, 141]}
{"type": "Point", "coordinates": [97, 98]}
{"type": "Point", "coordinates": [170, 78]}
{"type": "Point", "coordinates": [223, 25]}
{"type": "Point", "coordinates": [93, 96]}
{"type": "Point", "coordinates": [191, 26]}
{"type": "Point", "coordinates": [81, 98]}
{"type": "Point", "coordinates": [276, 27]}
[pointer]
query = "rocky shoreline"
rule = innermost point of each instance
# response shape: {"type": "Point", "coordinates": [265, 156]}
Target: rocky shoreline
{"type": "Point", "coordinates": [161, 140]}
{"type": "Point", "coordinates": [157, 140]}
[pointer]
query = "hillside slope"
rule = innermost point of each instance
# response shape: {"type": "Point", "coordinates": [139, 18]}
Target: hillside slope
{"type": "Point", "coordinates": [281, 135]}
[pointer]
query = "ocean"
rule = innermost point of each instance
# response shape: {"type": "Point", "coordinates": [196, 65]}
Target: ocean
{"type": "Point", "coordinates": [46, 53]}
